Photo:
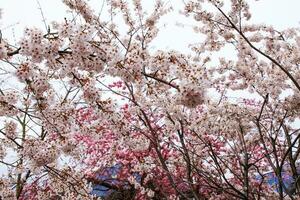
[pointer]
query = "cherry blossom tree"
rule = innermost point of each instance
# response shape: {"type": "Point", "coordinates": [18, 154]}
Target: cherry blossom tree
{"type": "Point", "coordinates": [90, 96]}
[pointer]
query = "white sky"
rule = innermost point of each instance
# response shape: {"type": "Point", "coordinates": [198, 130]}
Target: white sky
{"type": "Point", "coordinates": [17, 14]}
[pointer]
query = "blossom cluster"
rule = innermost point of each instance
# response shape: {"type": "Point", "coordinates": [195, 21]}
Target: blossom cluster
{"type": "Point", "coordinates": [97, 106]}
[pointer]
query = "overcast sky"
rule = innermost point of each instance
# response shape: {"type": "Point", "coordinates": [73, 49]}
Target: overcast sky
{"type": "Point", "coordinates": [17, 14]}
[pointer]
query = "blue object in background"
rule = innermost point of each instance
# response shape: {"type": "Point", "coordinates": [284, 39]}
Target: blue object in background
{"type": "Point", "coordinates": [287, 178]}
{"type": "Point", "coordinates": [108, 176]}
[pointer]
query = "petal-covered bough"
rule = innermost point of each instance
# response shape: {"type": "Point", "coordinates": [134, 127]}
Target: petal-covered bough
{"type": "Point", "coordinates": [95, 107]}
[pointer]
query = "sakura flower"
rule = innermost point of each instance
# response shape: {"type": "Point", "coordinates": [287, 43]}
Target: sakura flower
{"type": "Point", "coordinates": [3, 50]}
{"type": "Point", "coordinates": [192, 96]}
{"type": "Point", "coordinates": [10, 129]}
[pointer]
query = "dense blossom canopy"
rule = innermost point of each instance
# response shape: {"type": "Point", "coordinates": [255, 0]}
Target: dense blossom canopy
{"type": "Point", "coordinates": [91, 96]}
